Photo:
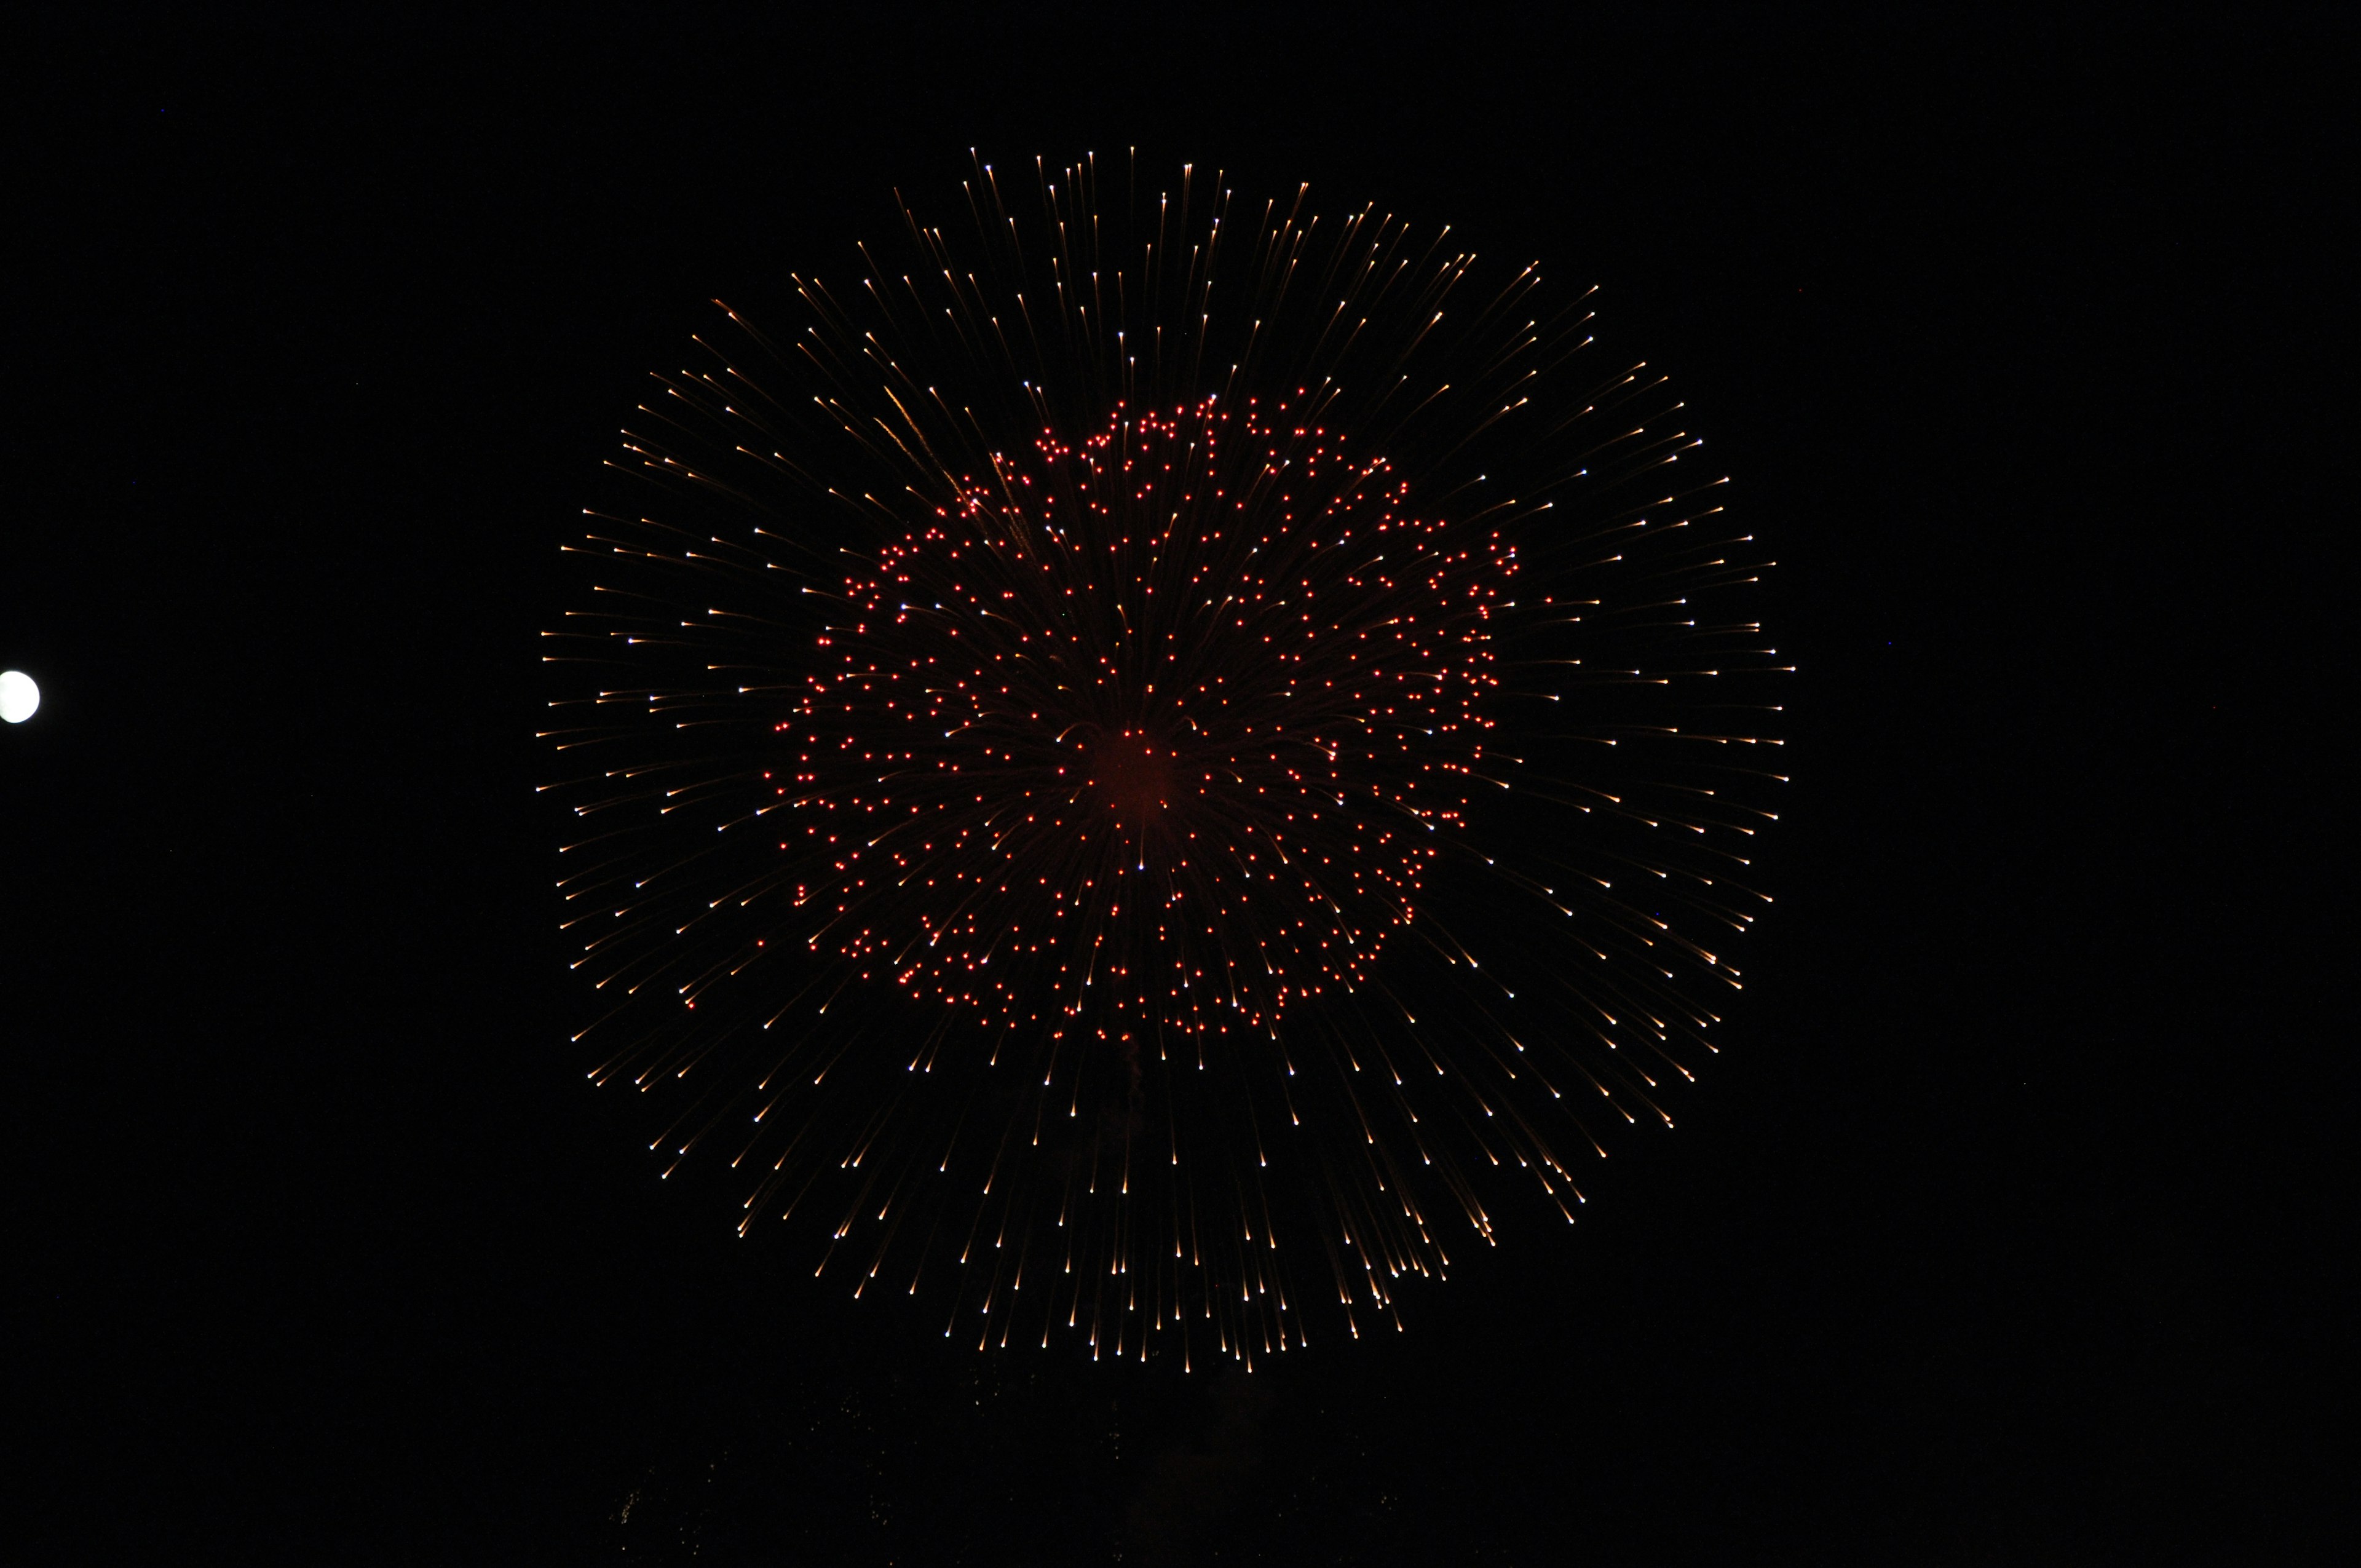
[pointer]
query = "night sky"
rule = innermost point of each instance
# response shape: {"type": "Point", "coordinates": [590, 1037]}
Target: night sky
{"type": "Point", "coordinates": [2005, 1227]}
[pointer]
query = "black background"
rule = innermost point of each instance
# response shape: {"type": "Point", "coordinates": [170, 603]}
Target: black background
{"type": "Point", "coordinates": [2005, 1228]}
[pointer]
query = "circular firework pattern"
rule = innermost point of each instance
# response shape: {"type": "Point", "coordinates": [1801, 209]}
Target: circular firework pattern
{"type": "Point", "coordinates": [1150, 743]}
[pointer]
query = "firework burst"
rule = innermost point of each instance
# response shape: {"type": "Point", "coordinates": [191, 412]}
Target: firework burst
{"type": "Point", "coordinates": [1149, 743]}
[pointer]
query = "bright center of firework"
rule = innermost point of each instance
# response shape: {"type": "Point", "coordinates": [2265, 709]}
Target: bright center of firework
{"type": "Point", "coordinates": [1132, 772]}
{"type": "Point", "coordinates": [1154, 729]}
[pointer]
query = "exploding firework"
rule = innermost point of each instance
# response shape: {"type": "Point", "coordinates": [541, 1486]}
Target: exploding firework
{"type": "Point", "coordinates": [1149, 744]}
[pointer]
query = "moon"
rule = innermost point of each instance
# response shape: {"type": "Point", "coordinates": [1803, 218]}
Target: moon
{"type": "Point", "coordinates": [18, 695]}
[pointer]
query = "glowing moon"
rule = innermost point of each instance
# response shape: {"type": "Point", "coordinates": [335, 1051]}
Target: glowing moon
{"type": "Point", "coordinates": [18, 695]}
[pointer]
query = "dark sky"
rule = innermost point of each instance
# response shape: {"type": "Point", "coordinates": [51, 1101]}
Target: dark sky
{"type": "Point", "coordinates": [2003, 1228]}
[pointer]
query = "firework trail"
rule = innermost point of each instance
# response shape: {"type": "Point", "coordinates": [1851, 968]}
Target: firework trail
{"type": "Point", "coordinates": [1150, 743]}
